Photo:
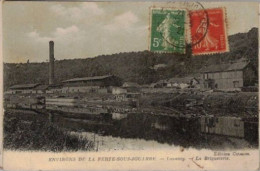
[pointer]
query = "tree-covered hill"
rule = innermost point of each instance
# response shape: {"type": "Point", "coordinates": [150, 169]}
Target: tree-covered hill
{"type": "Point", "coordinates": [135, 66]}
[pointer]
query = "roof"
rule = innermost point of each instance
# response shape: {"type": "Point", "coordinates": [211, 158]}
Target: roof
{"type": "Point", "coordinates": [41, 87]}
{"type": "Point", "coordinates": [88, 78]}
{"type": "Point", "coordinates": [180, 80]}
{"type": "Point", "coordinates": [239, 65]}
{"type": "Point", "coordinates": [23, 86]}
{"type": "Point", "coordinates": [130, 84]}
{"type": "Point", "coordinates": [216, 68]}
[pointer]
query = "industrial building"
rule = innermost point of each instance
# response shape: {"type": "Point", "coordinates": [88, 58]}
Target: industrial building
{"type": "Point", "coordinates": [227, 76]}
{"type": "Point", "coordinates": [23, 89]}
{"type": "Point", "coordinates": [95, 84]}
{"type": "Point", "coordinates": [100, 81]}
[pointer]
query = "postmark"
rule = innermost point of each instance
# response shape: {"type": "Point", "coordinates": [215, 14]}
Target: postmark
{"type": "Point", "coordinates": [211, 26]}
{"type": "Point", "coordinates": [192, 6]}
{"type": "Point", "coordinates": [167, 29]}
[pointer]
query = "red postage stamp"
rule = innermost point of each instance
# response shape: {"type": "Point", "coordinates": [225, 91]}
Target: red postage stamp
{"type": "Point", "coordinates": [208, 31]}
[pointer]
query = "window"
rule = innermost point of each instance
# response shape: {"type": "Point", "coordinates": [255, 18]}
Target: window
{"type": "Point", "coordinates": [206, 76]}
{"type": "Point", "coordinates": [220, 75]}
{"type": "Point", "coordinates": [235, 84]}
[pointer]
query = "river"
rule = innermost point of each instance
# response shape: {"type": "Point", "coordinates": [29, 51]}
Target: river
{"type": "Point", "coordinates": [114, 128]}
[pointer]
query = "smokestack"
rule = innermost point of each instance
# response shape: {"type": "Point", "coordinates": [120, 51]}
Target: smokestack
{"type": "Point", "coordinates": [51, 63]}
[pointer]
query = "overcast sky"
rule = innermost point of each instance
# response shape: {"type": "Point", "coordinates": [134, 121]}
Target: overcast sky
{"type": "Point", "coordinates": [88, 29]}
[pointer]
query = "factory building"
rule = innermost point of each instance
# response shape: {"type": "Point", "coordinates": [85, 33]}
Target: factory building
{"type": "Point", "coordinates": [23, 89]}
{"type": "Point", "coordinates": [227, 76]}
{"type": "Point", "coordinates": [95, 84]}
{"type": "Point", "coordinates": [96, 81]}
{"type": "Point", "coordinates": [28, 89]}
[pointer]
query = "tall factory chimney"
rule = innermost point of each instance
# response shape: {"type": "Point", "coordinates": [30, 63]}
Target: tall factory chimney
{"type": "Point", "coordinates": [51, 63]}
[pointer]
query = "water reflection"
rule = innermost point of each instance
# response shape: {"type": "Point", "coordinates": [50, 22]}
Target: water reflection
{"type": "Point", "coordinates": [230, 126]}
{"type": "Point", "coordinates": [199, 132]}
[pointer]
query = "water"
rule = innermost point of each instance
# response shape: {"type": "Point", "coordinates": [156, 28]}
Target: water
{"type": "Point", "coordinates": [125, 124]}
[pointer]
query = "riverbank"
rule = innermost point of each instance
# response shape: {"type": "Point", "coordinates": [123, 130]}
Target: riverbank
{"type": "Point", "coordinates": [30, 131]}
{"type": "Point", "coordinates": [50, 131]}
{"type": "Point", "coordinates": [242, 104]}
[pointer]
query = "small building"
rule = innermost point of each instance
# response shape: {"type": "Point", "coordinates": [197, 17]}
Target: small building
{"type": "Point", "coordinates": [54, 88]}
{"type": "Point", "coordinates": [130, 85]}
{"type": "Point", "coordinates": [118, 116]}
{"type": "Point", "coordinates": [118, 90]}
{"type": "Point", "coordinates": [83, 89]}
{"type": "Point", "coordinates": [9, 92]}
{"type": "Point", "coordinates": [23, 88]}
{"type": "Point", "coordinates": [159, 84]}
{"type": "Point", "coordinates": [41, 89]}
{"type": "Point", "coordinates": [227, 76]}
{"type": "Point", "coordinates": [183, 82]}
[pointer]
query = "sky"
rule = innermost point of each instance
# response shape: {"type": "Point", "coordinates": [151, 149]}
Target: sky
{"type": "Point", "coordinates": [89, 29]}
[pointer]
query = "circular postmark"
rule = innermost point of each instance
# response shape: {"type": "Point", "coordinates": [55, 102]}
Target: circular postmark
{"type": "Point", "coordinates": [183, 27]}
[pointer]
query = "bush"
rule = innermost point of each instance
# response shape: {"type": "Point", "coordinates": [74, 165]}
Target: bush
{"type": "Point", "coordinates": [38, 135]}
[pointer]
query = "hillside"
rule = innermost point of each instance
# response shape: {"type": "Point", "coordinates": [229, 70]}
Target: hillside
{"type": "Point", "coordinates": [135, 66]}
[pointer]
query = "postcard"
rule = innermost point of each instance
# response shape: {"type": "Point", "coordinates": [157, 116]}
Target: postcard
{"type": "Point", "coordinates": [130, 85]}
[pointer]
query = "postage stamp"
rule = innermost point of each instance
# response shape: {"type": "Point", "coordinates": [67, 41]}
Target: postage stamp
{"type": "Point", "coordinates": [167, 30]}
{"type": "Point", "coordinates": [208, 31]}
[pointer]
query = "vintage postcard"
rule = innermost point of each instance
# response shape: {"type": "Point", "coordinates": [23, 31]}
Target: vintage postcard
{"type": "Point", "coordinates": [130, 85]}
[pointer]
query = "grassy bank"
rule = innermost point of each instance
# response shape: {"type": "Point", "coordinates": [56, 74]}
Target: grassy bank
{"type": "Point", "coordinates": [37, 133]}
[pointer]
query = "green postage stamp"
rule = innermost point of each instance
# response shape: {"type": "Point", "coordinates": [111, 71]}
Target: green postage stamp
{"type": "Point", "coordinates": [167, 30]}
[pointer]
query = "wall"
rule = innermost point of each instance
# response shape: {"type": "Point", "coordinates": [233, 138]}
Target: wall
{"type": "Point", "coordinates": [158, 90]}
{"type": "Point", "coordinates": [110, 81]}
{"type": "Point", "coordinates": [84, 83]}
{"type": "Point", "coordinates": [118, 90]}
{"type": "Point", "coordinates": [121, 97]}
{"type": "Point", "coordinates": [83, 89]}
{"type": "Point", "coordinates": [9, 92]}
{"type": "Point", "coordinates": [223, 80]}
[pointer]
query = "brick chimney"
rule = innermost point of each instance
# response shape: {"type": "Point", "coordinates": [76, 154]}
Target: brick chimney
{"type": "Point", "coordinates": [51, 63]}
